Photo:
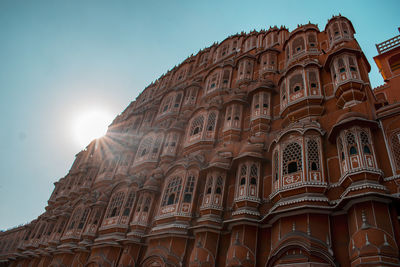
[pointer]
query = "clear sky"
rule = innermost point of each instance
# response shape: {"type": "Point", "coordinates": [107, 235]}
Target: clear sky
{"type": "Point", "coordinates": [60, 58]}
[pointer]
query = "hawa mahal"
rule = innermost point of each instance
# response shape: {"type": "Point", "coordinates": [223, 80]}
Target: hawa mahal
{"type": "Point", "coordinates": [267, 149]}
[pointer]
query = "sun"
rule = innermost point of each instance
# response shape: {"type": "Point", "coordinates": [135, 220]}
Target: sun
{"type": "Point", "coordinates": [91, 124]}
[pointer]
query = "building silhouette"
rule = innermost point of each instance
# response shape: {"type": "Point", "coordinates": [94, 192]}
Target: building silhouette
{"type": "Point", "coordinates": [267, 149]}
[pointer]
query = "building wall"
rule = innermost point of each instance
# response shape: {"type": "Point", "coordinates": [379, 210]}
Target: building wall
{"type": "Point", "coordinates": [268, 149]}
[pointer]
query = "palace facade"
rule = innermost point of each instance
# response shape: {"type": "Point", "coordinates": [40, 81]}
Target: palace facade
{"type": "Point", "coordinates": [267, 149]}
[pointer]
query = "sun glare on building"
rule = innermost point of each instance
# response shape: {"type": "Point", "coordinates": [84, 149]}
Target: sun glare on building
{"type": "Point", "coordinates": [90, 125]}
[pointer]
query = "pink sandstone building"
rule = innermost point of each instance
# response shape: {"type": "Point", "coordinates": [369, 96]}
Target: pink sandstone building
{"type": "Point", "coordinates": [267, 149]}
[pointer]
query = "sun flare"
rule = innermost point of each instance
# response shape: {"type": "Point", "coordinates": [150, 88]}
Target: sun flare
{"type": "Point", "coordinates": [90, 125]}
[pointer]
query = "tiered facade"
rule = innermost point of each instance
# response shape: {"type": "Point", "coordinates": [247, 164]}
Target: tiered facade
{"type": "Point", "coordinates": [268, 149]}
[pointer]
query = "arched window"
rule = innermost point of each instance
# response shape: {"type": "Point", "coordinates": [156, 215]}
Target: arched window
{"type": "Point", "coordinates": [172, 191]}
{"type": "Point", "coordinates": [351, 143]}
{"type": "Point", "coordinates": [395, 141]}
{"type": "Point", "coordinates": [145, 146]}
{"type": "Point", "coordinates": [147, 204]}
{"type": "Point", "coordinates": [276, 166]}
{"type": "Point", "coordinates": [341, 152]}
{"type": "Point", "coordinates": [187, 197]}
{"type": "Point", "coordinates": [129, 204]}
{"type": "Point", "coordinates": [312, 40]}
{"type": "Point", "coordinates": [209, 185]}
{"type": "Point", "coordinates": [211, 121]}
{"type": "Point", "coordinates": [313, 155]}
{"type": "Point", "coordinates": [283, 92]}
{"type": "Point", "coordinates": [139, 204]}
{"type": "Point", "coordinates": [298, 45]}
{"type": "Point", "coordinates": [83, 218]}
{"type": "Point", "coordinates": [341, 65]}
{"type": "Point", "coordinates": [243, 171]}
{"type": "Point", "coordinates": [296, 83]}
{"type": "Point", "coordinates": [253, 174]}
{"type": "Point", "coordinates": [365, 142]}
{"type": "Point", "coordinates": [115, 205]}
{"type": "Point", "coordinates": [292, 159]}
{"type": "Point", "coordinates": [218, 189]}
{"type": "Point", "coordinates": [313, 83]}
{"type": "Point", "coordinates": [345, 29]}
{"type": "Point", "coordinates": [197, 126]}
{"type": "Point", "coordinates": [75, 218]}
{"type": "Point", "coordinates": [178, 98]}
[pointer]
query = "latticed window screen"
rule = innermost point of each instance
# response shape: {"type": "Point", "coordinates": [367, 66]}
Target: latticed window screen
{"type": "Point", "coordinates": [340, 147]}
{"type": "Point", "coordinates": [351, 142]}
{"type": "Point", "coordinates": [313, 155]}
{"type": "Point", "coordinates": [283, 91]}
{"type": "Point", "coordinates": [172, 192]}
{"type": "Point", "coordinates": [345, 28]}
{"type": "Point", "coordinates": [147, 204]}
{"type": "Point", "coordinates": [177, 100]}
{"type": "Point", "coordinates": [209, 185]}
{"type": "Point", "coordinates": [276, 166]}
{"type": "Point", "coordinates": [228, 113]}
{"type": "Point", "coordinates": [75, 218]}
{"type": "Point", "coordinates": [298, 45]}
{"type": "Point", "coordinates": [139, 204]}
{"type": "Point", "coordinates": [220, 182]}
{"type": "Point", "coordinates": [243, 171]}
{"type": "Point", "coordinates": [96, 218]}
{"type": "Point", "coordinates": [145, 146]}
{"type": "Point", "coordinates": [197, 125]}
{"type": "Point", "coordinates": [296, 83]}
{"type": "Point", "coordinates": [156, 145]}
{"type": "Point", "coordinates": [129, 203]}
{"type": "Point", "coordinates": [313, 80]}
{"type": "Point", "coordinates": [115, 204]}
{"type": "Point", "coordinates": [291, 155]}
{"type": "Point", "coordinates": [211, 121]}
{"type": "Point", "coordinates": [311, 39]}
{"type": "Point", "coordinates": [83, 218]}
{"type": "Point", "coordinates": [187, 198]}
{"type": "Point", "coordinates": [395, 140]}
{"type": "Point", "coordinates": [256, 101]}
{"type": "Point", "coordinates": [253, 174]}
{"type": "Point", "coordinates": [236, 115]}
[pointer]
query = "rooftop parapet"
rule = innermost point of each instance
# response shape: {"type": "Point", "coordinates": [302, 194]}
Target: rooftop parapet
{"type": "Point", "coordinates": [388, 44]}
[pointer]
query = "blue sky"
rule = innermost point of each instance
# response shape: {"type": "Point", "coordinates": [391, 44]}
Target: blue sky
{"type": "Point", "coordinates": [58, 58]}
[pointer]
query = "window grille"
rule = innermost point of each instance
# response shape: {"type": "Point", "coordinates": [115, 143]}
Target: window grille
{"type": "Point", "coordinates": [296, 83]}
{"type": "Point", "coordinates": [313, 155]}
{"type": "Point", "coordinates": [147, 204]}
{"type": "Point", "coordinates": [177, 100]}
{"type": "Point", "coordinates": [253, 174]}
{"type": "Point", "coordinates": [218, 189]}
{"type": "Point", "coordinates": [187, 198]}
{"type": "Point", "coordinates": [291, 155]}
{"type": "Point", "coordinates": [395, 140]}
{"type": "Point", "coordinates": [75, 218]}
{"type": "Point", "coordinates": [83, 218]}
{"type": "Point", "coordinates": [145, 146]}
{"type": "Point", "coordinates": [139, 204]}
{"type": "Point", "coordinates": [276, 166]}
{"type": "Point", "coordinates": [115, 205]}
{"type": "Point", "coordinates": [209, 185]}
{"type": "Point", "coordinates": [197, 125]}
{"type": "Point", "coordinates": [211, 121]}
{"type": "Point", "coordinates": [298, 45]}
{"type": "Point", "coordinates": [156, 145]}
{"type": "Point", "coordinates": [129, 204]}
{"type": "Point", "coordinates": [172, 192]}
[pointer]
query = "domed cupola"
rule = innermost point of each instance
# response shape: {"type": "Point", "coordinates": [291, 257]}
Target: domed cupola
{"type": "Point", "coordinates": [301, 44]}
{"type": "Point", "coordinates": [339, 29]}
